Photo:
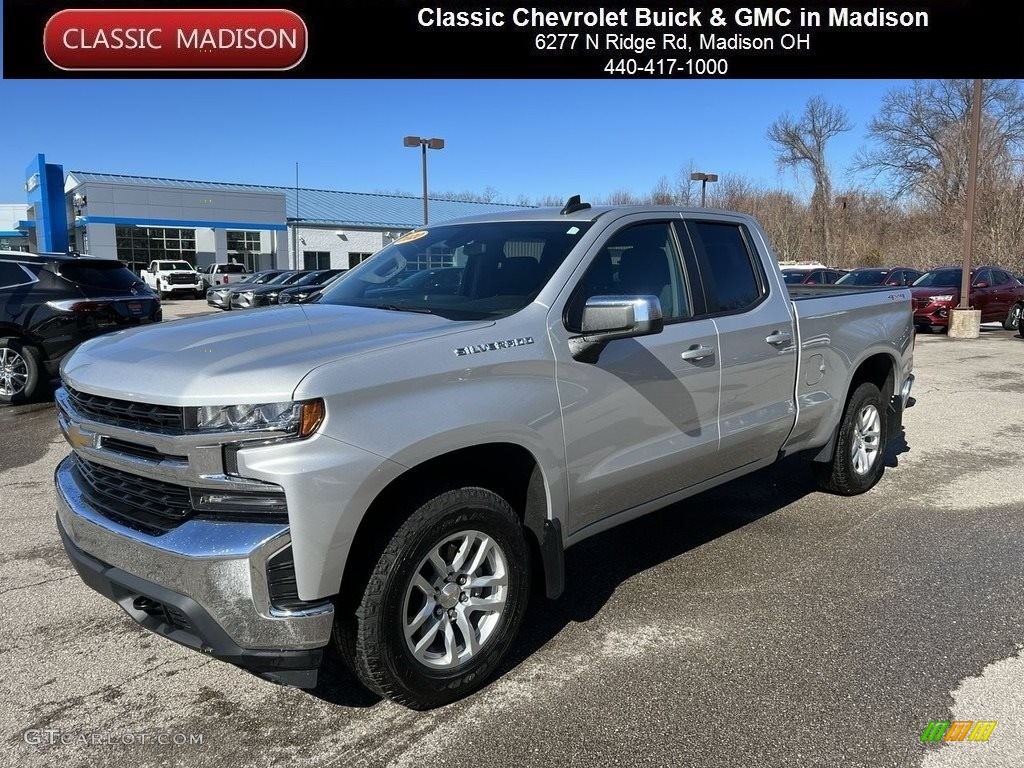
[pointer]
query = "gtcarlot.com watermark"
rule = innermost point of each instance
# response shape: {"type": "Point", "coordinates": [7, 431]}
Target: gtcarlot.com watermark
{"type": "Point", "coordinates": [54, 737]}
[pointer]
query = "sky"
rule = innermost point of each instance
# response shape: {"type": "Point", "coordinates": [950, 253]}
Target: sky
{"type": "Point", "coordinates": [533, 138]}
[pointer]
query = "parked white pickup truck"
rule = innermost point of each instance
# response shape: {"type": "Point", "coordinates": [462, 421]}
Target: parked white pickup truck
{"type": "Point", "coordinates": [172, 277]}
{"type": "Point", "coordinates": [385, 472]}
{"type": "Point", "coordinates": [223, 274]}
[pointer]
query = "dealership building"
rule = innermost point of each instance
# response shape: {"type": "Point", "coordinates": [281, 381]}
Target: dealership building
{"type": "Point", "coordinates": [140, 218]}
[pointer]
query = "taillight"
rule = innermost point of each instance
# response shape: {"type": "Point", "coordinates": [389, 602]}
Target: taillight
{"type": "Point", "coordinates": [78, 305]}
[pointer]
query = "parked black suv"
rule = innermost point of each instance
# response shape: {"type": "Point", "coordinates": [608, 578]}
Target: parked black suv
{"type": "Point", "coordinates": [51, 303]}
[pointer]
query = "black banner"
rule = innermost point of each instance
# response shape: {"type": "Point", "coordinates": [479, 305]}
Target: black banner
{"type": "Point", "coordinates": [395, 39]}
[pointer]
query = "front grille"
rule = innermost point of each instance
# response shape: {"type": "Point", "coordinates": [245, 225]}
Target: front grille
{"type": "Point", "coordinates": [139, 451]}
{"type": "Point", "coordinates": [124, 413]}
{"type": "Point", "coordinates": [181, 279]}
{"type": "Point", "coordinates": [921, 303]}
{"type": "Point", "coordinates": [142, 503]}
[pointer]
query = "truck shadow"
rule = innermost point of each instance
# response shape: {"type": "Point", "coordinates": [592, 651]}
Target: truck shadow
{"type": "Point", "coordinates": [597, 566]}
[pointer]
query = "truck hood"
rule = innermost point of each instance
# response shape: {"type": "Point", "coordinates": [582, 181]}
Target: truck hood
{"type": "Point", "coordinates": [241, 357]}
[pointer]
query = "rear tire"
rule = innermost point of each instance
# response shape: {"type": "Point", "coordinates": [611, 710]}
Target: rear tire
{"type": "Point", "coordinates": [442, 603]}
{"type": "Point", "coordinates": [859, 457]}
{"type": "Point", "coordinates": [1013, 317]}
{"type": "Point", "coordinates": [19, 371]}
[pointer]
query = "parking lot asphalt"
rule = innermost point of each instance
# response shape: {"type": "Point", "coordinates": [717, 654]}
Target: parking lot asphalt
{"type": "Point", "coordinates": [760, 624]}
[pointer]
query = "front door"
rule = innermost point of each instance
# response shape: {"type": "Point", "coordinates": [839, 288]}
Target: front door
{"type": "Point", "coordinates": [640, 423]}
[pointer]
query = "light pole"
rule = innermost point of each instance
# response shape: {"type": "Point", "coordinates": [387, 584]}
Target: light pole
{"type": "Point", "coordinates": [703, 178]}
{"type": "Point", "coordinates": [425, 144]}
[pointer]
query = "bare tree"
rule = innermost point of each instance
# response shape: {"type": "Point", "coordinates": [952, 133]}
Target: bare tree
{"type": "Point", "coordinates": [662, 193]}
{"type": "Point", "coordinates": [921, 136]}
{"type": "Point", "coordinates": [802, 143]}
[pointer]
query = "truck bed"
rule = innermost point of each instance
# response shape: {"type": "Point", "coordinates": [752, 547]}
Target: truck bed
{"type": "Point", "coordinates": [839, 326]}
{"type": "Point", "coordinates": [800, 292]}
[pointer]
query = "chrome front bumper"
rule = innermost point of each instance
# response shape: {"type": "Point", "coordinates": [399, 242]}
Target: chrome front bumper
{"type": "Point", "coordinates": [218, 566]}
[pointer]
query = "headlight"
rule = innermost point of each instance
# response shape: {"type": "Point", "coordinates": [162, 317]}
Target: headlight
{"type": "Point", "coordinates": [290, 418]}
{"type": "Point", "coordinates": [286, 298]}
{"type": "Point", "coordinates": [246, 295]}
{"type": "Point", "coordinates": [943, 297]}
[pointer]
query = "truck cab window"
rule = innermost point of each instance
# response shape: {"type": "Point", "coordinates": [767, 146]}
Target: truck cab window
{"type": "Point", "coordinates": [732, 280]}
{"type": "Point", "coordinates": [641, 260]}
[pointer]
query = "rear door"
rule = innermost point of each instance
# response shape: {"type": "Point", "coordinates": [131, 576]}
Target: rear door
{"type": "Point", "coordinates": [757, 343]}
{"type": "Point", "coordinates": [1003, 293]}
{"type": "Point", "coordinates": [983, 295]}
{"type": "Point", "coordinates": [641, 422]}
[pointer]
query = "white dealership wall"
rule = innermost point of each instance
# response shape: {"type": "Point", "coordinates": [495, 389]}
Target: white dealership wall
{"type": "Point", "coordinates": [340, 242]}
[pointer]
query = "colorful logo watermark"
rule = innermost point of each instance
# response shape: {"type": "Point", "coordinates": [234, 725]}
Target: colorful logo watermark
{"type": "Point", "coordinates": [958, 730]}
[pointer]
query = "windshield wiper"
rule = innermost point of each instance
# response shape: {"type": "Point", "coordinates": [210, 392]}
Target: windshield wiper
{"type": "Point", "coordinates": [397, 308]}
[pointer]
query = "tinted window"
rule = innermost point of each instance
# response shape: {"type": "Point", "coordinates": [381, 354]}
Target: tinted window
{"type": "Point", "coordinates": [732, 281]}
{"type": "Point", "coordinates": [641, 260]}
{"type": "Point", "coordinates": [1001, 278]}
{"type": "Point", "coordinates": [231, 269]}
{"type": "Point", "coordinates": [864, 277]}
{"type": "Point", "coordinates": [985, 276]}
{"type": "Point", "coordinates": [12, 275]}
{"type": "Point", "coordinates": [944, 278]}
{"type": "Point", "coordinates": [793, 277]}
{"type": "Point", "coordinates": [99, 274]}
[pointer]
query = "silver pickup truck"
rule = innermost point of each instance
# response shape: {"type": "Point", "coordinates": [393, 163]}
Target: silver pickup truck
{"type": "Point", "coordinates": [385, 473]}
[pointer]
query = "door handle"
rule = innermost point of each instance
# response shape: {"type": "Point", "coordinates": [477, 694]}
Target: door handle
{"type": "Point", "coordinates": [778, 337]}
{"type": "Point", "coordinates": [697, 352]}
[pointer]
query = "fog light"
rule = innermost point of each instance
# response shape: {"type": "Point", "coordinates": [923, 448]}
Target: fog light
{"type": "Point", "coordinates": [205, 500]}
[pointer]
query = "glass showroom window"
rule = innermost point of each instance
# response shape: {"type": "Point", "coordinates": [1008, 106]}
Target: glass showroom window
{"type": "Point", "coordinates": [316, 259]}
{"type": "Point", "coordinates": [245, 247]}
{"type": "Point", "coordinates": [144, 244]}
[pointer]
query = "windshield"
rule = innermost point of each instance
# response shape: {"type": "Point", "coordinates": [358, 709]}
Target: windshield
{"type": "Point", "coordinates": [946, 278]}
{"type": "Point", "coordinates": [793, 277]}
{"type": "Point", "coordinates": [308, 278]}
{"type": "Point", "coordinates": [260, 278]}
{"type": "Point", "coordinates": [281, 278]}
{"type": "Point", "coordinates": [471, 271]}
{"type": "Point", "coordinates": [169, 265]}
{"type": "Point", "coordinates": [292, 278]}
{"type": "Point", "coordinates": [863, 277]}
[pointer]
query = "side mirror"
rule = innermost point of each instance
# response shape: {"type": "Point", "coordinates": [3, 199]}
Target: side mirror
{"type": "Point", "coordinates": [981, 284]}
{"type": "Point", "coordinates": [606, 318]}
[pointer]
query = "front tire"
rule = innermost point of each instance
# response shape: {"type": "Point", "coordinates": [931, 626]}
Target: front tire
{"type": "Point", "coordinates": [859, 457]}
{"type": "Point", "coordinates": [19, 371]}
{"type": "Point", "coordinates": [443, 602]}
{"type": "Point", "coordinates": [1013, 318]}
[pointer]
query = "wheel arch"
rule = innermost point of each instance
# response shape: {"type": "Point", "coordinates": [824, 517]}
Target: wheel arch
{"type": "Point", "coordinates": [879, 368]}
{"type": "Point", "coordinates": [509, 469]}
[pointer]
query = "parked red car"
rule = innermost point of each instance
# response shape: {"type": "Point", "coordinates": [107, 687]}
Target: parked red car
{"type": "Point", "coordinates": [996, 292]}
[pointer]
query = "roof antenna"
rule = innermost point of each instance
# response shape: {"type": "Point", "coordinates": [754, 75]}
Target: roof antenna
{"type": "Point", "coordinates": [573, 204]}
